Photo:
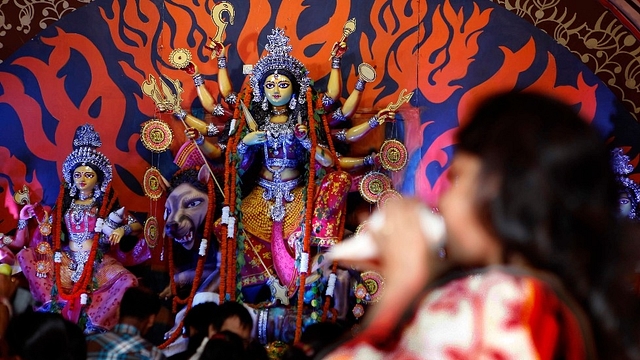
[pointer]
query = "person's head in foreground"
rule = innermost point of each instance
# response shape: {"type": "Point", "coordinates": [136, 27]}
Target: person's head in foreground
{"type": "Point", "coordinates": [531, 188]}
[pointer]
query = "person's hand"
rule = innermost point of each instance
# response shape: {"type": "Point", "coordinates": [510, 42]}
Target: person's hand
{"type": "Point", "coordinates": [27, 212]}
{"type": "Point", "coordinates": [300, 131]}
{"type": "Point", "coordinates": [166, 293]}
{"type": "Point", "coordinates": [255, 137]}
{"type": "Point", "coordinates": [402, 238]}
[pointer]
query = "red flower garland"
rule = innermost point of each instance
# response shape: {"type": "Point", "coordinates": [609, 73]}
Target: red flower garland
{"type": "Point", "coordinates": [83, 284]}
{"type": "Point", "coordinates": [199, 267]}
{"type": "Point", "coordinates": [308, 211]}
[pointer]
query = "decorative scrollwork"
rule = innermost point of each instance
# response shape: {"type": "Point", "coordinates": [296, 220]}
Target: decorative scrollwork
{"type": "Point", "coordinates": [606, 46]}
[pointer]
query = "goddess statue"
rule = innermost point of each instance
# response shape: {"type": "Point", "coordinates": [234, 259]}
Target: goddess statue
{"type": "Point", "coordinates": [628, 189]}
{"type": "Point", "coordinates": [73, 260]}
{"type": "Point", "coordinates": [285, 186]}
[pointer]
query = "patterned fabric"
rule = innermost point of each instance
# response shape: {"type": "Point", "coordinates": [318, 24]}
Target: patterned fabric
{"type": "Point", "coordinates": [112, 277]}
{"type": "Point", "coordinates": [490, 315]}
{"type": "Point", "coordinates": [123, 342]}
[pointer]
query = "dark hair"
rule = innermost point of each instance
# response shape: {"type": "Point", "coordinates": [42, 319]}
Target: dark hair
{"type": "Point", "coordinates": [139, 303]}
{"type": "Point", "coordinates": [554, 201]}
{"type": "Point", "coordinates": [229, 309]}
{"type": "Point", "coordinates": [188, 176]}
{"type": "Point", "coordinates": [224, 345]}
{"type": "Point", "coordinates": [45, 336]}
{"type": "Point", "coordinates": [199, 317]}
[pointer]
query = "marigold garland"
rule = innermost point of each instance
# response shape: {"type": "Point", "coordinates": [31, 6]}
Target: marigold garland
{"type": "Point", "coordinates": [309, 211]}
{"type": "Point", "coordinates": [83, 284]}
{"type": "Point", "coordinates": [199, 267]}
{"type": "Point", "coordinates": [229, 279]}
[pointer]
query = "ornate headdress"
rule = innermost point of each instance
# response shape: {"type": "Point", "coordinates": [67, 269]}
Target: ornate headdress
{"type": "Point", "coordinates": [85, 143]}
{"type": "Point", "coordinates": [622, 168]}
{"type": "Point", "coordinates": [278, 58]}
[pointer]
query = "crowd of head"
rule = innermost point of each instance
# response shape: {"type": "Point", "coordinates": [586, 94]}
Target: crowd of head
{"type": "Point", "coordinates": [535, 262]}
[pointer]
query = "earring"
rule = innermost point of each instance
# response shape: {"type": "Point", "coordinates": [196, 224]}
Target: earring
{"type": "Point", "coordinates": [292, 102]}
{"type": "Point", "coordinates": [265, 104]}
{"type": "Point", "coordinates": [96, 192]}
{"type": "Point", "coordinates": [72, 191]}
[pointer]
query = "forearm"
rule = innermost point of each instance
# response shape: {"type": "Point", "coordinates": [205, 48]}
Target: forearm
{"type": "Point", "coordinates": [207, 101]}
{"type": "Point", "coordinates": [335, 84]}
{"type": "Point", "coordinates": [351, 104]}
{"type": "Point", "coordinates": [211, 151]}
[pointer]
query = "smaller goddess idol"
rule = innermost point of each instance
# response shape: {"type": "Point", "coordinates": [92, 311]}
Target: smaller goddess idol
{"type": "Point", "coordinates": [71, 264]}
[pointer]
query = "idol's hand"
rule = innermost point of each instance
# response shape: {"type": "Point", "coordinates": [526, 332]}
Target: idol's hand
{"type": "Point", "coordinates": [191, 69]}
{"type": "Point", "coordinates": [27, 212]}
{"type": "Point", "coordinates": [385, 115]}
{"type": "Point", "coordinates": [116, 236]}
{"type": "Point", "coordinates": [192, 133]}
{"type": "Point", "coordinates": [255, 138]}
{"type": "Point", "coordinates": [301, 131]}
{"type": "Point", "coordinates": [339, 48]}
{"type": "Point", "coordinates": [216, 47]}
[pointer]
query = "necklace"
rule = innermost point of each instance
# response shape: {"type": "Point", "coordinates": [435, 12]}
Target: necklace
{"type": "Point", "coordinates": [277, 112]}
{"type": "Point", "coordinates": [77, 213]}
{"type": "Point", "coordinates": [82, 196]}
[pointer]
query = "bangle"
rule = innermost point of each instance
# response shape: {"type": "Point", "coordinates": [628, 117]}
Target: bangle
{"type": "Point", "coordinates": [222, 147]}
{"type": "Point", "coordinates": [338, 115]}
{"type": "Point", "coordinates": [327, 100]}
{"type": "Point", "coordinates": [342, 135]}
{"type": "Point", "coordinates": [22, 224]}
{"type": "Point", "coordinates": [218, 110]}
{"type": "Point", "coordinates": [368, 160]}
{"type": "Point", "coordinates": [360, 85]}
{"type": "Point", "coordinates": [198, 79]}
{"type": "Point", "coordinates": [242, 147]}
{"type": "Point", "coordinates": [127, 229]}
{"type": "Point", "coordinates": [373, 122]}
{"type": "Point", "coordinates": [199, 140]}
{"type": "Point", "coordinates": [231, 98]}
{"type": "Point", "coordinates": [180, 115]}
{"type": "Point", "coordinates": [222, 62]}
{"type": "Point", "coordinates": [335, 62]}
{"type": "Point", "coordinates": [212, 130]}
{"type": "Point", "coordinates": [4, 301]}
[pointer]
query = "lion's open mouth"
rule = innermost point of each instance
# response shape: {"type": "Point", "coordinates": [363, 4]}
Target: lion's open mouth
{"type": "Point", "coordinates": [185, 239]}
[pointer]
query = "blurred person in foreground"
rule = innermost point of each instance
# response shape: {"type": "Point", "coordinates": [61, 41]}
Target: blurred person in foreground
{"type": "Point", "coordinates": [136, 315]}
{"type": "Point", "coordinates": [44, 336]}
{"type": "Point", "coordinates": [532, 261]}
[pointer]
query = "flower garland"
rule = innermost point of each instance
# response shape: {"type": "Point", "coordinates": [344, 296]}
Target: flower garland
{"type": "Point", "coordinates": [199, 267]}
{"type": "Point", "coordinates": [83, 284]}
{"type": "Point", "coordinates": [334, 266]}
{"type": "Point", "coordinates": [228, 279]}
{"type": "Point", "coordinates": [308, 211]}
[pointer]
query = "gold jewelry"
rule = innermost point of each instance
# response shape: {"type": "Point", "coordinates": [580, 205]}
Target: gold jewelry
{"type": "Point", "coordinates": [277, 112]}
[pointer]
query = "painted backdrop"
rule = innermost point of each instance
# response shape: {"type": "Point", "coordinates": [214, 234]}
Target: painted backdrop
{"type": "Point", "coordinates": [89, 67]}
